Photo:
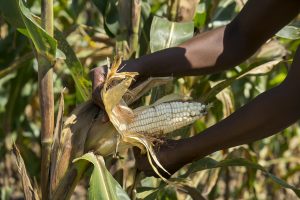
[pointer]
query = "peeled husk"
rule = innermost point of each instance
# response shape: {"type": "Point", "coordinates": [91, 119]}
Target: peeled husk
{"type": "Point", "coordinates": [83, 131]}
{"type": "Point", "coordinates": [121, 115]}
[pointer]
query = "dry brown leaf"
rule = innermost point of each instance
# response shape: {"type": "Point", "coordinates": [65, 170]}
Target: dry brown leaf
{"type": "Point", "coordinates": [30, 193]}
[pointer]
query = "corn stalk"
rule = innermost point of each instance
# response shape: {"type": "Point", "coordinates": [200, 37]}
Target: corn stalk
{"type": "Point", "coordinates": [129, 19]}
{"type": "Point", "coordinates": [182, 10]}
{"type": "Point", "coordinates": [135, 25]}
{"type": "Point", "coordinates": [173, 6]}
{"type": "Point", "coordinates": [45, 79]}
{"type": "Point", "coordinates": [122, 47]}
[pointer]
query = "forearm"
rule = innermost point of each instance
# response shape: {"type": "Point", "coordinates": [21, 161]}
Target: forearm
{"type": "Point", "coordinates": [222, 48]}
{"type": "Point", "coordinates": [177, 61]}
{"type": "Point", "coordinates": [268, 114]}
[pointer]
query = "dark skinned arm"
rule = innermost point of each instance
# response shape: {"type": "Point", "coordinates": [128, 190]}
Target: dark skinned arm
{"type": "Point", "coordinates": [221, 48]}
{"type": "Point", "coordinates": [216, 51]}
{"type": "Point", "coordinates": [266, 115]}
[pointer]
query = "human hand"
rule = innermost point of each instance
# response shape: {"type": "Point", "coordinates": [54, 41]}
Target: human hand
{"type": "Point", "coordinates": [97, 75]}
{"type": "Point", "coordinates": [170, 154]}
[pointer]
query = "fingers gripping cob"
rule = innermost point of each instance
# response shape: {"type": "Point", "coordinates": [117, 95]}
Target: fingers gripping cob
{"type": "Point", "coordinates": [138, 127]}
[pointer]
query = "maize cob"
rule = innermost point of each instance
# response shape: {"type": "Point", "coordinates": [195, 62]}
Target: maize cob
{"type": "Point", "coordinates": [166, 117]}
{"type": "Point", "coordinates": [140, 126]}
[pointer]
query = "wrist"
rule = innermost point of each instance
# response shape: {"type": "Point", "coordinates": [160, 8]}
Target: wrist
{"type": "Point", "coordinates": [132, 65]}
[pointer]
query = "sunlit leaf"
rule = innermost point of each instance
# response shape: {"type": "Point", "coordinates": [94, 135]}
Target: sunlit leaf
{"type": "Point", "coordinates": [23, 20]}
{"type": "Point", "coordinates": [200, 16]}
{"type": "Point", "coordinates": [273, 49]}
{"type": "Point", "coordinates": [263, 69]}
{"type": "Point", "coordinates": [224, 13]}
{"type": "Point", "coordinates": [167, 193]}
{"type": "Point", "coordinates": [152, 196]}
{"type": "Point", "coordinates": [211, 181]}
{"type": "Point", "coordinates": [193, 192]}
{"type": "Point", "coordinates": [226, 97]}
{"type": "Point", "coordinates": [277, 79]}
{"type": "Point", "coordinates": [289, 32]}
{"type": "Point", "coordinates": [164, 34]}
{"type": "Point", "coordinates": [102, 184]}
{"type": "Point", "coordinates": [44, 43]}
{"type": "Point", "coordinates": [251, 70]}
{"type": "Point", "coordinates": [145, 11]}
{"type": "Point", "coordinates": [143, 192]}
{"type": "Point", "coordinates": [209, 163]}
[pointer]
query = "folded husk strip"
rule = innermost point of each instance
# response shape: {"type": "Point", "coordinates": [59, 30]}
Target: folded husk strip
{"type": "Point", "coordinates": [83, 131]}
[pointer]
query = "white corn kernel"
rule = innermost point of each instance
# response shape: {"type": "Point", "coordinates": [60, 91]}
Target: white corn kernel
{"type": "Point", "coordinates": [166, 117]}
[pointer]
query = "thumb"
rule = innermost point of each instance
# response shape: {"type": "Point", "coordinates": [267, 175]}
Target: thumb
{"type": "Point", "coordinates": [97, 76]}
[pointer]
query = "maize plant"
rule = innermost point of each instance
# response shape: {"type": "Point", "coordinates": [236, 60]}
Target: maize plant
{"type": "Point", "coordinates": [80, 36]}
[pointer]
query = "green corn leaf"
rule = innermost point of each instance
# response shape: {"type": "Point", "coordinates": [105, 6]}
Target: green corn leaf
{"type": "Point", "coordinates": [164, 34]}
{"type": "Point", "coordinates": [102, 184]}
{"type": "Point", "coordinates": [11, 13]}
{"type": "Point", "coordinates": [43, 42]}
{"type": "Point", "coordinates": [19, 16]}
{"type": "Point", "coordinates": [78, 72]}
{"type": "Point", "coordinates": [200, 16]}
{"type": "Point", "coordinates": [209, 163]}
{"type": "Point", "coordinates": [252, 70]}
{"type": "Point", "coordinates": [110, 13]}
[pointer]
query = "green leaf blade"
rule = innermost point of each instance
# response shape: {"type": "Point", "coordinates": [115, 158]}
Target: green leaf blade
{"type": "Point", "coordinates": [102, 184]}
{"type": "Point", "coordinates": [165, 34]}
{"type": "Point", "coordinates": [209, 163]}
{"type": "Point", "coordinates": [289, 32]}
{"type": "Point", "coordinates": [43, 42]}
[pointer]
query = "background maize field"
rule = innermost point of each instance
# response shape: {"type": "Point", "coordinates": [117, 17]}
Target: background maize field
{"type": "Point", "coordinates": [89, 31]}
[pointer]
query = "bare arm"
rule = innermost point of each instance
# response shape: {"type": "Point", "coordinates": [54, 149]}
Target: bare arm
{"type": "Point", "coordinates": [222, 48]}
{"type": "Point", "coordinates": [269, 113]}
{"type": "Point", "coordinates": [215, 50]}
{"type": "Point", "coordinates": [266, 115]}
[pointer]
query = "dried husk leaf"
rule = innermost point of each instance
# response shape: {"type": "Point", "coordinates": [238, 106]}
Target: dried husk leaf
{"type": "Point", "coordinates": [103, 138]}
{"type": "Point", "coordinates": [112, 95]}
{"type": "Point", "coordinates": [73, 137]}
{"type": "Point", "coordinates": [29, 192]}
{"type": "Point", "coordinates": [84, 131]}
{"type": "Point", "coordinates": [140, 90]}
{"type": "Point", "coordinates": [56, 140]}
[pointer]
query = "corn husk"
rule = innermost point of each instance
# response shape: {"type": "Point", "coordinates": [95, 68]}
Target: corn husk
{"type": "Point", "coordinates": [113, 93]}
